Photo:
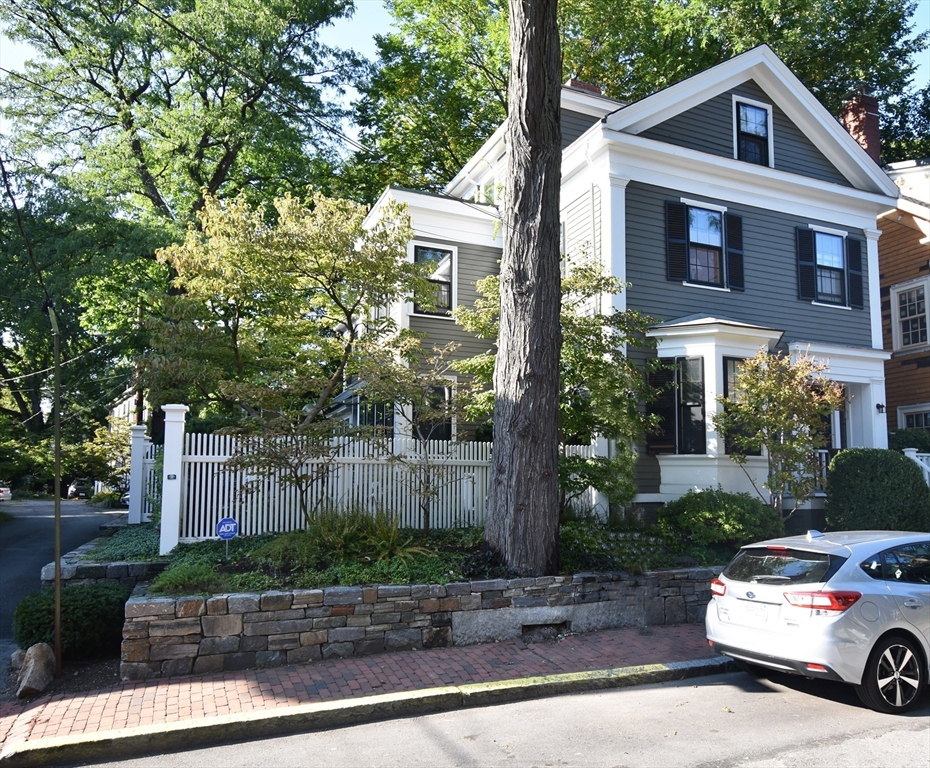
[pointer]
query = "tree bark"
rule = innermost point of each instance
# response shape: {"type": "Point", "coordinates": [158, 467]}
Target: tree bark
{"type": "Point", "coordinates": [523, 501]}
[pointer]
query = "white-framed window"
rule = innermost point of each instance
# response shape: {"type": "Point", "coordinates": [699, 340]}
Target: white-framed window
{"type": "Point", "coordinates": [704, 245]}
{"type": "Point", "coordinates": [916, 416]}
{"type": "Point", "coordinates": [909, 315]}
{"type": "Point", "coordinates": [830, 267]}
{"type": "Point", "coordinates": [442, 262]}
{"type": "Point", "coordinates": [752, 131]}
{"type": "Point", "coordinates": [433, 418]}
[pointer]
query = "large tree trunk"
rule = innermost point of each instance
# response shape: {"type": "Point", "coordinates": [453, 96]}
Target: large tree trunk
{"type": "Point", "coordinates": [523, 501]}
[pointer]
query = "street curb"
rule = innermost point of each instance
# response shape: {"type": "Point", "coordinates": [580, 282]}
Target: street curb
{"type": "Point", "coordinates": [281, 721]}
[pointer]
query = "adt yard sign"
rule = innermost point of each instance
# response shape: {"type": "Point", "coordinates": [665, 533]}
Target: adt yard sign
{"type": "Point", "coordinates": [227, 528]}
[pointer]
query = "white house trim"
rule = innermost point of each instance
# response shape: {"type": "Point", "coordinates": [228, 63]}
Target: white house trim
{"type": "Point", "coordinates": [786, 91]}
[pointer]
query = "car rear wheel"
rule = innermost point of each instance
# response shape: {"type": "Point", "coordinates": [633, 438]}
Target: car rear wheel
{"type": "Point", "coordinates": [894, 677]}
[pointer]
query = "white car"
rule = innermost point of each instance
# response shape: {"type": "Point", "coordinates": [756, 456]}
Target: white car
{"type": "Point", "coordinates": [5, 493]}
{"type": "Point", "coordinates": [852, 606]}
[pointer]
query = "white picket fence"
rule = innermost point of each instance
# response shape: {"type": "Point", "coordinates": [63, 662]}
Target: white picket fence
{"type": "Point", "coordinates": [206, 478]}
{"type": "Point", "coordinates": [356, 474]}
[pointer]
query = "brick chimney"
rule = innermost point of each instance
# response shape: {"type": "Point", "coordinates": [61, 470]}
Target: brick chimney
{"type": "Point", "coordinates": [583, 86]}
{"type": "Point", "coordinates": [860, 118]}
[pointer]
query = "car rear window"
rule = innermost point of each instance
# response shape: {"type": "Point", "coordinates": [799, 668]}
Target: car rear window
{"type": "Point", "coordinates": [782, 566]}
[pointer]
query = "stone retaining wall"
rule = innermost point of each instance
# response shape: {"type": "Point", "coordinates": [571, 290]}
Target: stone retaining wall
{"type": "Point", "coordinates": [166, 636]}
{"type": "Point", "coordinates": [76, 570]}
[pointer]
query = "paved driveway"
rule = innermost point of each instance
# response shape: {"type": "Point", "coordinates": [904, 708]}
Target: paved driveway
{"type": "Point", "coordinates": [27, 543]}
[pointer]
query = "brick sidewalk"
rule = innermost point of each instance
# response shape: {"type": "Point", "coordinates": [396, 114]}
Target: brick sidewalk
{"type": "Point", "coordinates": [175, 700]}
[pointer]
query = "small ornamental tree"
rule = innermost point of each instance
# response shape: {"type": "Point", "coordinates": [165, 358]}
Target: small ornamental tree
{"type": "Point", "coordinates": [782, 406]}
{"type": "Point", "coordinates": [601, 387]}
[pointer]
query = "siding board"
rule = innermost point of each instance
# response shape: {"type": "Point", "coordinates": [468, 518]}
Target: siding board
{"type": "Point", "coordinates": [770, 298]}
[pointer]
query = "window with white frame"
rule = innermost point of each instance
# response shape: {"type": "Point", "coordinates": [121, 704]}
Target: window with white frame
{"type": "Point", "coordinates": [915, 416]}
{"type": "Point", "coordinates": [704, 245]}
{"type": "Point", "coordinates": [909, 314]}
{"type": "Point", "coordinates": [830, 268]}
{"type": "Point", "coordinates": [440, 262]}
{"type": "Point", "coordinates": [752, 131]}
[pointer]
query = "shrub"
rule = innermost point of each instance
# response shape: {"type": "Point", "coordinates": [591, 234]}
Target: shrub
{"type": "Point", "coordinates": [91, 619]}
{"type": "Point", "coordinates": [588, 545]}
{"type": "Point", "coordinates": [876, 489]}
{"type": "Point", "coordinates": [188, 579]}
{"type": "Point", "coordinates": [910, 438]}
{"type": "Point", "coordinates": [711, 525]}
{"type": "Point", "coordinates": [107, 499]}
{"type": "Point", "coordinates": [289, 552]}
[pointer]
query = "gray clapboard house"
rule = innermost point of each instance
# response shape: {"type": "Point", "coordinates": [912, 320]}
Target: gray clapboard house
{"type": "Point", "coordinates": [741, 213]}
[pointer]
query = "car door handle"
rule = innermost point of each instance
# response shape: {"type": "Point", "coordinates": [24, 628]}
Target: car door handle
{"type": "Point", "coordinates": [913, 603]}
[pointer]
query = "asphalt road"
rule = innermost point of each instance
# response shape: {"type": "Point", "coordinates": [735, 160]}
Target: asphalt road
{"type": "Point", "coordinates": [27, 543]}
{"type": "Point", "coordinates": [726, 720]}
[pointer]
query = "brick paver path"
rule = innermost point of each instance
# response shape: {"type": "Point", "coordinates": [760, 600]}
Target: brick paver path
{"type": "Point", "coordinates": [186, 698]}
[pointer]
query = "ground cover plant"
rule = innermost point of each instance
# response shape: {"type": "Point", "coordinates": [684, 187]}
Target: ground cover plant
{"type": "Point", "coordinates": [354, 548]}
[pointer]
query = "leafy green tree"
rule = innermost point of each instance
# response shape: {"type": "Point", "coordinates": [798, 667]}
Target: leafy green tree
{"type": "Point", "coordinates": [159, 104]}
{"type": "Point", "coordinates": [274, 315]}
{"type": "Point", "coordinates": [277, 313]}
{"type": "Point", "coordinates": [63, 242]}
{"type": "Point", "coordinates": [601, 386]}
{"type": "Point", "coordinates": [782, 406]}
{"type": "Point", "coordinates": [439, 90]}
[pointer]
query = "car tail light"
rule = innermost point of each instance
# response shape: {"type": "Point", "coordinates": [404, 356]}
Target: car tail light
{"type": "Point", "coordinates": [824, 601]}
{"type": "Point", "coordinates": [717, 587]}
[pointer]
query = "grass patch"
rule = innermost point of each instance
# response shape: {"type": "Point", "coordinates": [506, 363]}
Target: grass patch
{"type": "Point", "coordinates": [5, 517]}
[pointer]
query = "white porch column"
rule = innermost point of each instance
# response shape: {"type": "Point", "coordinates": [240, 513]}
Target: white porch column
{"type": "Point", "coordinates": [171, 485]}
{"type": "Point", "coordinates": [137, 444]}
{"type": "Point", "coordinates": [875, 301]}
{"type": "Point", "coordinates": [613, 232]}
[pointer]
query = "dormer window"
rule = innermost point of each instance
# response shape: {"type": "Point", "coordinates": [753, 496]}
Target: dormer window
{"type": "Point", "coordinates": [752, 132]}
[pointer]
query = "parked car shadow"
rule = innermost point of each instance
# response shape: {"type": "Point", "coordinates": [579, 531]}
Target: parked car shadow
{"type": "Point", "coordinates": [828, 690]}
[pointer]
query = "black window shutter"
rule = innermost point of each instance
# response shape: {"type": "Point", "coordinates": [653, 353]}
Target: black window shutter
{"type": "Point", "coordinates": [676, 231]}
{"type": "Point", "coordinates": [807, 265]}
{"type": "Point", "coordinates": [692, 432]}
{"type": "Point", "coordinates": [854, 272]}
{"type": "Point", "coordinates": [664, 407]}
{"type": "Point", "coordinates": [735, 278]}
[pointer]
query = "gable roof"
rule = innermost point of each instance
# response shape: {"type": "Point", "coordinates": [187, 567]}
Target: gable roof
{"type": "Point", "coordinates": [784, 88]}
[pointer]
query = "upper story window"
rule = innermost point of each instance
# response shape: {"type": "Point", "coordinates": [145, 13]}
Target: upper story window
{"type": "Point", "coordinates": [705, 240]}
{"type": "Point", "coordinates": [831, 286]}
{"type": "Point", "coordinates": [704, 245]}
{"type": "Point", "coordinates": [909, 314]}
{"type": "Point", "coordinates": [440, 261]}
{"type": "Point", "coordinates": [829, 267]}
{"type": "Point", "coordinates": [752, 131]}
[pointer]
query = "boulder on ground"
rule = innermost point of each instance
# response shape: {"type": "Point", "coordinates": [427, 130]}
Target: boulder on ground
{"type": "Point", "coordinates": [16, 660]}
{"type": "Point", "coordinates": [38, 670]}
